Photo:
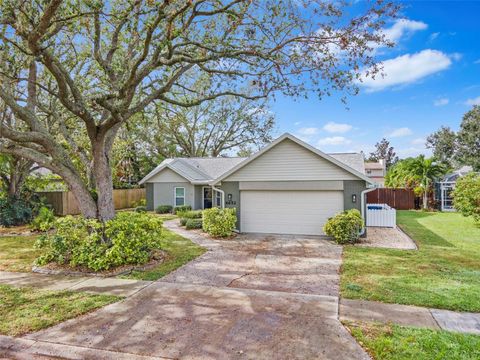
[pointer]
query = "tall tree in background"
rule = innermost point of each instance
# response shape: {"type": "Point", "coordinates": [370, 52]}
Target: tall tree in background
{"type": "Point", "coordinates": [443, 144]}
{"type": "Point", "coordinates": [468, 139]}
{"type": "Point", "coordinates": [103, 62]}
{"type": "Point", "coordinates": [383, 150]}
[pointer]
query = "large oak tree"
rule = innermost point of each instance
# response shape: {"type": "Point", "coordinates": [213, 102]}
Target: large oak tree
{"type": "Point", "coordinates": [101, 63]}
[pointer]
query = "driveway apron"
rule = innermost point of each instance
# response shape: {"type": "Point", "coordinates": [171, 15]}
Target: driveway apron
{"type": "Point", "coordinates": [251, 297]}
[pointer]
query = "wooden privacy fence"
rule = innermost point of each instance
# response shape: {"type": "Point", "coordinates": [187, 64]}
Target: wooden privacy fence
{"type": "Point", "coordinates": [400, 199]}
{"type": "Point", "coordinates": [64, 203]}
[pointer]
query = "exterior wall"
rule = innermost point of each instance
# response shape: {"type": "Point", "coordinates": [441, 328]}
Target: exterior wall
{"type": "Point", "coordinates": [198, 197]}
{"type": "Point", "coordinates": [352, 187]}
{"type": "Point", "coordinates": [292, 185]}
{"type": "Point", "coordinates": [288, 161]}
{"type": "Point", "coordinates": [232, 187]}
{"type": "Point", "coordinates": [163, 193]}
{"type": "Point", "coordinates": [166, 175]}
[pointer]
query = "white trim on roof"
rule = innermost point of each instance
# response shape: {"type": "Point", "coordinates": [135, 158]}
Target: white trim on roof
{"type": "Point", "coordinates": [301, 143]}
{"type": "Point", "coordinates": [168, 165]}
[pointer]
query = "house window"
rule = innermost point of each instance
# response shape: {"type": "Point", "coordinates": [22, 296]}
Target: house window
{"type": "Point", "coordinates": [179, 196]}
{"type": "Point", "coordinates": [218, 198]}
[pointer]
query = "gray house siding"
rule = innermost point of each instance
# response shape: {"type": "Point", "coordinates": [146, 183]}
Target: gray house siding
{"type": "Point", "coordinates": [353, 187]}
{"type": "Point", "coordinates": [164, 193]}
{"type": "Point", "coordinates": [232, 188]}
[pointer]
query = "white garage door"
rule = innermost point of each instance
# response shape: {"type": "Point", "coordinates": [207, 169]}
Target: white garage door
{"type": "Point", "coordinates": [288, 212]}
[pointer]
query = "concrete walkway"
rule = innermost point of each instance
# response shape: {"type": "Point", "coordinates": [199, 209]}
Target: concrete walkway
{"type": "Point", "coordinates": [437, 319]}
{"type": "Point", "coordinates": [97, 285]}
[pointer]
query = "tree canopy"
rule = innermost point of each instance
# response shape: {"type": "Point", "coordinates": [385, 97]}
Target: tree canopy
{"type": "Point", "coordinates": [384, 151]}
{"type": "Point", "coordinates": [94, 66]}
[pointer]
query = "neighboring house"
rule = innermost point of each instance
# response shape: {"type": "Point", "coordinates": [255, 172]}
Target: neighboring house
{"type": "Point", "coordinates": [444, 188]}
{"type": "Point", "coordinates": [289, 187]}
{"type": "Point", "coordinates": [376, 171]}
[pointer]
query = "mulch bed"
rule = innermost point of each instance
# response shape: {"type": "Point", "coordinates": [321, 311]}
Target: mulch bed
{"type": "Point", "coordinates": [58, 269]}
{"type": "Point", "coordinates": [22, 230]}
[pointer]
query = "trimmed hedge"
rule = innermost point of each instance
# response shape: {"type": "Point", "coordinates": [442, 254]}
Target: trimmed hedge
{"type": "Point", "coordinates": [194, 224]}
{"type": "Point", "coordinates": [183, 221]}
{"type": "Point", "coordinates": [344, 227]}
{"type": "Point", "coordinates": [193, 214]}
{"type": "Point", "coordinates": [164, 209]}
{"type": "Point", "coordinates": [181, 209]}
{"type": "Point", "coordinates": [219, 222]}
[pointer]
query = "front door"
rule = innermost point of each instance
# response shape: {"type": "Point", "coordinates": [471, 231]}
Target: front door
{"type": "Point", "coordinates": [207, 197]}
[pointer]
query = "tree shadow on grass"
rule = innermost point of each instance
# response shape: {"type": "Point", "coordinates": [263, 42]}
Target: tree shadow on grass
{"type": "Point", "coordinates": [422, 235]}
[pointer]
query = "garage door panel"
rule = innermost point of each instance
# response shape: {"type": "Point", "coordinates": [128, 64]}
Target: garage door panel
{"type": "Point", "coordinates": [288, 212]}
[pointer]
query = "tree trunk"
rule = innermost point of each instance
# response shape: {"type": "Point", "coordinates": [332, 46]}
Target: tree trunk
{"type": "Point", "coordinates": [425, 200]}
{"type": "Point", "coordinates": [103, 182]}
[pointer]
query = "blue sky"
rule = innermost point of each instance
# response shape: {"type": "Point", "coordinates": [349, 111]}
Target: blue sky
{"type": "Point", "coordinates": [432, 79]}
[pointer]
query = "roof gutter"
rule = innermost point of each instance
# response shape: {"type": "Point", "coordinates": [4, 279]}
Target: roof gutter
{"type": "Point", "coordinates": [222, 195]}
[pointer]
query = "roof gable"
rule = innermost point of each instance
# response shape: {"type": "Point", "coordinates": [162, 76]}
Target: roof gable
{"type": "Point", "coordinates": [295, 160]}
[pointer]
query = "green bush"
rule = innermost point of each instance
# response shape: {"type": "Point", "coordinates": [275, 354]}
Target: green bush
{"type": "Point", "coordinates": [181, 209]}
{"type": "Point", "coordinates": [344, 227]}
{"type": "Point", "coordinates": [141, 202]}
{"type": "Point", "coordinates": [183, 221]}
{"type": "Point", "coordinates": [192, 214]}
{"type": "Point", "coordinates": [44, 220]}
{"type": "Point", "coordinates": [219, 222]}
{"type": "Point", "coordinates": [194, 224]}
{"type": "Point", "coordinates": [141, 209]}
{"type": "Point", "coordinates": [15, 211]}
{"type": "Point", "coordinates": [129, 238]}
{"type": "Point", "coordinates": [164, 209]}
{"type": "Point", "coordinates": [466, 196]}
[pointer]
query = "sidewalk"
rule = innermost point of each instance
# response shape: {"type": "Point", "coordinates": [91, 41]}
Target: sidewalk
{"type": "Point", "coordinates": [97, 285]}
{"type": "Point", "coordinates": [406, 315]}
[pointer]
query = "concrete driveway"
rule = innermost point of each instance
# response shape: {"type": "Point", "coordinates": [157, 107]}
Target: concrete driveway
{"type": "Point", "coordinates": [254, 297]}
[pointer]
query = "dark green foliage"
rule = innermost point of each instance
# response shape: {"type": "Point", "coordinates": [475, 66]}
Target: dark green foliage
{"type": "Point", "coordinates": [183, 221]}
{"type": "Point", "coordinates": [164, 209]}
{"type": "Point", "coordinates": [141, 209]}
{"type": "Point", "coordinates": [466, 196]}
{"type": "Point", "coordinates": [129, 238]}
{"type": "Point", "coordinates": [193, 224]}
{"type": "Point", "coordinates": [15, 211]}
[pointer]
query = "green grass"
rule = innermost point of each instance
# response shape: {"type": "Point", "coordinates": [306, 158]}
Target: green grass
{"type": "Point", "coordinates": [24, 310]}
{"type": "Point", "coordinates": [392, 342]}
{"type": "Point", "coordinates": [179, 251]}
{"type": "Point", "coordinates": [17, 253]}
{"type": "Point", "coordinates": [443, 273]}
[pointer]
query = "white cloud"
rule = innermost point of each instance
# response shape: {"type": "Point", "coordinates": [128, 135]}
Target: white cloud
{"type": "Point", "coordinates": [402, 27]}
{"type": "Point", "coordinates": [433, 36]}
{"type": "Point", "coordinates": [400, 132]}
{"type": "Point", "coordinates": [333, 127]}
{"type": "Point", "coordinates": [477, 61]}
{"type": "Point", "coordinates": [334, 140]}
{"type": "Point", "coordinates": [441, 102]}
{"type": "Point", "coordinates": [407, 68]}
{"type": "Point", "coordinates": [418, 141]}
{"type": "Point", "coordinates": [475, 101]}
{"type": "Point", "coordinates": [308, 131]}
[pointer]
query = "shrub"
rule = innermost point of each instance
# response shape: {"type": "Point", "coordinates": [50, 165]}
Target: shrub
{"type": "Point", "coordinates": [141, 209]}
{"type": "Point", "coordinates": [15, 211]}
{"type": "Point", "coordinates": [141, 202]}
{"type": "Point", "coordinates": [183, 221]}
{"type": "Point", "coordinates": [164, 209]}
{"type": "Point", "coordinates": [194, 224]}
{"type": "Point", "coordinates": [181, 209]}
{"type": "Point", "coordinates": [345, 226]}
{"type": "Point", "coordinates": [129, 238]}
{"type": "Point", "coordinates": [192, 214]}
{"type": "Point", "coordinates": [219, 222]}
{"type": "Point", "coordinates": [44, 220]}
{"type": "Point", "coordinates": [466, 196]}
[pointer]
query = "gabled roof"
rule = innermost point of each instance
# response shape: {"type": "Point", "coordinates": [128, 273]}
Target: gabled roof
{"type": "Point", "coordinates": [354, 160]}
{"type": "Point", "coordinates": [196, 170]}
{"type": "Point", "coordinates": [301, 143]}
{"type": "Point", "coordinates": [374, 166]}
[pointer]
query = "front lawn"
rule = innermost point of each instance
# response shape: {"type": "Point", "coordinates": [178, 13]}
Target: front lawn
{"type": "Point", "coordinates": [443, 273]}
{"type": "Point", "coordinates": [17, 253]}
{"type": "Point", "coordinates": [179, 252]}
{"type": "Point", "coordinates": [392, 342]}
{"type": "Point", "coordinates": [24, 310]}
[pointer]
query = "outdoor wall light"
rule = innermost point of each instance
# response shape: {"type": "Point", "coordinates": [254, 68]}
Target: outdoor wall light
{"type": "Point", "coordinates": [229, 196]}
{"type": "Point", "coordinates": [354, 198]}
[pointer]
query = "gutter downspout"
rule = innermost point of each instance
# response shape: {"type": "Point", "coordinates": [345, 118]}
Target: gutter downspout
{"type": "Point", "coordinates": [362, 201]}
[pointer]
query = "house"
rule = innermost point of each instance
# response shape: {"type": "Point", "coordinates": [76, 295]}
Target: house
{"type": "Point", "coordinates": [288, 187]}
{"type": "Point", "coordinates": [445, 186]}
{"type": "Point", "coordinates": [376, 171]}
